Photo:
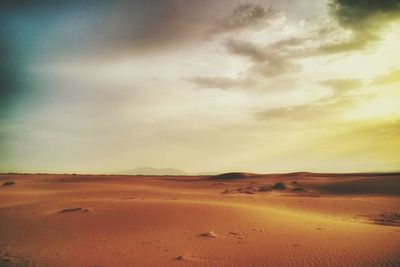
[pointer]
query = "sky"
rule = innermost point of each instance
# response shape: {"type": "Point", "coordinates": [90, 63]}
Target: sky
{"type": "Point", "coordinates": [200, 85]}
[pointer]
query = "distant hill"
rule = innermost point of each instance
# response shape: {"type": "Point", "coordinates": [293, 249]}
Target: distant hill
{"type": "Point", "coordinates": [153, 171]}
{"type": "Point", "coordinates": [235, 175]}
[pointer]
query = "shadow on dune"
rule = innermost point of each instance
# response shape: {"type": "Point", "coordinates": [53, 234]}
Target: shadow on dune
{"type": "Point", "coordinates": [329, 183]}
{"type": "Point", "coordinates": [387, 219]}
{"type": "Point", "coordinates": [234, 176]}
{"type": "Point", "coordinates": [382, 185]}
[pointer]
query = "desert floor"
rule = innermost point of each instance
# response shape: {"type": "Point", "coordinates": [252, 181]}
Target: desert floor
{"type": "Point", "coordinates": [235, 219]}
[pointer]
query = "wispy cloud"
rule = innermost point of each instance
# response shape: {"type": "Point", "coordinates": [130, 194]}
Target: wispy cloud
{"type": "Point", "coordinates": [244, 16]}
{"type": "Point", "coordinates": [268, 61]}
{"type": "Point", "coordinates": [222, 83]}
{"type": "Point", "coordinates": [392, 77]}
{"type": "Point", "coordinates": [342, 86]}
{"type": "Point", "coordinates": [328, 108]}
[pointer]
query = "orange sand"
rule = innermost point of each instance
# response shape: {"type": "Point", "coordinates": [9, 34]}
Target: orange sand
{"type": "Point", "coordinates": [337, 220]}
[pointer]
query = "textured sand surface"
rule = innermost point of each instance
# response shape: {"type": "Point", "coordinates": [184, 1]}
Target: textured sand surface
{"type": "Point", "coordinates": [230, 220]}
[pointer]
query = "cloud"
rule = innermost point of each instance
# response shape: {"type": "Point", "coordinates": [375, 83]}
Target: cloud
{"type": "Point", "coordinates": [370, 138]}
{"type": "Point", "coordinates": [326, 108]}
{"type": "Point", "coordinates": [284, 112]}
{"type": "Point", "coordinates": [289, 42]}
{"type": "Point", "coordinates": [358, 41]}
{"type": "Point", "coordinates": [391, 77]}
{"type": "Point", "coordinates": [221, 82]}
{"type": "Point", "coordinates": [268, 61]}
{"type": "Point", "coordinates": [244, 16]}
{"type": "Point", "coordinates": [47, 32]}
{"type": "Point", "coordinates": [249, 50]}
{"type": "Point", "coordinates": [117, 28]}
{"type": "Point", "coordinates": [341, 86]}
{"type": "Point", "coordinates": [12, 76]}
{"type": "Point", "coordinates": [275, 67]}
{"type": "Point", "coordinates": [364, 18]}
{"type": "Point", "coordinates": [389, 128]}
{"type": "Point", "coordinates": [356, 13]}
{"type": "Point", "coordinates": [140, 27]}
{"type": "Point", "coordinates": [7, 71]}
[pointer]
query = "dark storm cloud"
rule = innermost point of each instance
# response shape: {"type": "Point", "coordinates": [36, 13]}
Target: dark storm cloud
{"type": "Point", "coordinates": [8, 72]}
{"type": "Point", "coordinates": [41, 32]}
{"type": "Point", "coordinates": [35, 33]}
{"type": "Point", "coordinates": [355, 13]}
{"type": "Point", "coordinates": [365, 18]}
{"type": "Point", "coordinates": [24, 39]}
{"type": "Point", "coordinates": [101, 29]}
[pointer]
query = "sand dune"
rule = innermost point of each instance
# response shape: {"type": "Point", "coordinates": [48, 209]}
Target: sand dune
{"type": "Point", "coordinates": [62, 220]}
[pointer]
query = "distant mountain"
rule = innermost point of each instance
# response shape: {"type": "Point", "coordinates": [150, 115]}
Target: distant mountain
{"type": "Point", "coordinates": [153, 171]}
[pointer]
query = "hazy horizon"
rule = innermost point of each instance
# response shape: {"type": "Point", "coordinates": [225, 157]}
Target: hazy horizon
{"type": "Point", "coordinates": [200, 86]}
{"type": "Point", "coordinates": [149, 171]}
